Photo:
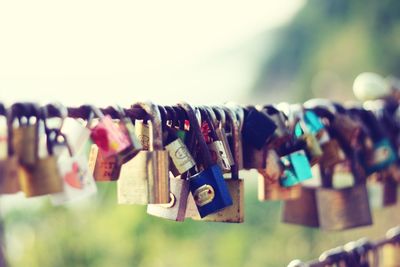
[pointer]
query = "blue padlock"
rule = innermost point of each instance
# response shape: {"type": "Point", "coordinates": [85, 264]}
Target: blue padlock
{"type": "Point", "coordinates": [208, 186]}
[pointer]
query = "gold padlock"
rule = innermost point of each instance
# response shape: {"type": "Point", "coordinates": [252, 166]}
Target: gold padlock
{"type": "Point", "coordinates": [44, 177]}
{"type": "Point", "coordinates": [10, 169]}
{"type": "Point", "coordinates": [25, 136]}
{"type": "Point", "coordinates": [145, 178]}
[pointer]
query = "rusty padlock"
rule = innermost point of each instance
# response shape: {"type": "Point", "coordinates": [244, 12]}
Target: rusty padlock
{"type": "Point", "coordinates": [342, 208]}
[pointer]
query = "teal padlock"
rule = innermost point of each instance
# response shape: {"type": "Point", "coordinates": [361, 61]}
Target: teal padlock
{"type": "Point", "coordinates": [297, 168]}
{"type": "Point", "coordinates": [382, 156]}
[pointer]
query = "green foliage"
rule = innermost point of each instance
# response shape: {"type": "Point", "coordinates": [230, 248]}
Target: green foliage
{"type": "Point", "coordinates": [328, 43]}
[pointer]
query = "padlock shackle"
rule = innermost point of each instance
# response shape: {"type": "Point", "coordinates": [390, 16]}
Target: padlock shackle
{"type": "Point", "coordinates": [209, 117]}
{"type": "Point", "coordinates": [197, 134]}
{"type": "Point", "coordinates": [220, 116]}
{"type": "Point", "coordinates": [234, 125]}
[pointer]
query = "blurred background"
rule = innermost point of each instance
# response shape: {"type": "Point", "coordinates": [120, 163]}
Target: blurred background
{"type": "Point", "coordinates": [250, 52]}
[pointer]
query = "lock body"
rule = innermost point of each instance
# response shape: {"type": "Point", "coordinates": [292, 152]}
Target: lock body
{"type": "Point", "coordinates": [303, 210]}
{"type": "Point", "coordinates": [209, 191]}
{"type": "Point", "coordinates": [144, 179]}
{"type": "Point", "coordinates": [176, 208]}
{"type": "Point", "coordinates": [25, 143]}
{"type": "Point", "coordinates": [180, 156]}
{"type": "Point", "coordinates": [10, 170]}
{"type": "Point", "coordinates": [103, 169]}
{"type": "Point", "coordinates": [233, 213]}
{"type": "Point", "coordinates": [345, 208]}
{"type": "Point", "coordinates": [44, 178]}
{"type": "Point", "coordinates": [381, 156]}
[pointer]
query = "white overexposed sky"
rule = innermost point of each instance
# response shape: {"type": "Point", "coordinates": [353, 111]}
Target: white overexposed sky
{"type": "Point", "coordinates": [107, 52]}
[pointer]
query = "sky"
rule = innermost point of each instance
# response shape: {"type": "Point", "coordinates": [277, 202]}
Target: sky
{"type": "Point", "coordinates": [116, 52]}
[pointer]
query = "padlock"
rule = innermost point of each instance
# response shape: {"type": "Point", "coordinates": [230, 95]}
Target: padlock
{"type": "Point", "coordinates": [108, 136]}
{"type": "Point", "coordinates": [208, 187]}
{"type": "Point", "coordinates": [269, 187]}
{"type": "Point", "coordinates": [378, 153]}
{"type": "Point", "coordinates": [142, 130]}
{"type": "Point", "coordinates": [145, 178]}
{"type": "Point", "coordinates": [77, 182]}
{"type": "Point", "coordinates": [282, 133]}
{"type": "Point", "coordinates": [181, 159]}
{"type": "Point", "coordinates": [103, 169]}
{"type": "Point", "coordinates": [220, 129]}
{"type": "Point", "coordinates": [215, 145]}
{"type": "Point", "coordinates": [258, 128]}
{"type": "Point", "coordinates": [345, 128]}
{"type": "Point", "coordinates": [10, 169]}
{"type": "Point", "coordinates": [382, 190]}
{"type": "Point", "coordinates": [126, 125]}
{"type": "Point", "coordinates": [308, 134]}
{"type": "Point", "coordinates": [234, 213]}
{"type": "Point", "coordinates": [44, 176]}
{"type": "Point", "coordinates": [239, 111]}
{"type": "Point", "coordinates": [342, 208]}
{"type": "Point", "coordinates": [303, 210]}
{"type": "Point", "coordinates": [296, 168]}
{"type": "Point", "coordinates": [176, 208]}
{"type": "Point", "coordinates": [332, 154]}
{"type": "Point", "coordinates": [390, 252]}
{"type": "Point", "coordinates": [26, 135]}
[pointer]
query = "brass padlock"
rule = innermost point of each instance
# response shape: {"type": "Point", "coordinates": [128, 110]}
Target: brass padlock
{"type": "Point", "coordinates": [103, 169]}
{"type": "Point", "coordinates": [145, 179]}
{"type": "Point", "coordinates": [342, 208]}
{"type": "Point", "coordinates": [390, 252]}
{"type": "Point", "coordinates": [10, 169]}
{"type": "Point", "coordinates": [235, 212]}
{"type": "Point", "coordinates": [25, 136]}
{"type": "Point", "coordinates": [303, 210]}
{"type": "Point", "coordinates": [269, 187]}
{"type": "Point", "coordinates": [44, 177]}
